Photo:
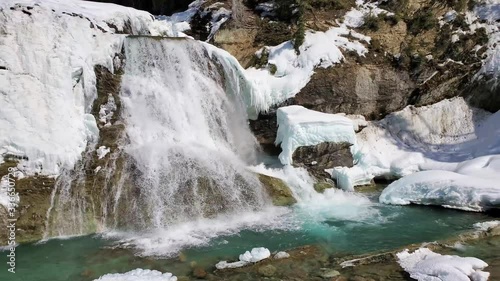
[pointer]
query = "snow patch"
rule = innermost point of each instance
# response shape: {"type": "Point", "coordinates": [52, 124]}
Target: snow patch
{"type": "Point", "coordinates": [355, 17]}
{"type": "Point", "coordinates": [425, 265]}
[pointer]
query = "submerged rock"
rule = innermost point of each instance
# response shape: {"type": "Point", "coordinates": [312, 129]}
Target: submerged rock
{"type": "Point", "coordinates": [278, 190]}
{"type": "Point", "coordinates": [328, 273]}
{"type": "Point", "coordinates": [267, 270]}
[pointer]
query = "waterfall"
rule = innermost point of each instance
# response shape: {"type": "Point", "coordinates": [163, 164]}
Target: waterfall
{"type": "Point", "coordinates": [185, 153]}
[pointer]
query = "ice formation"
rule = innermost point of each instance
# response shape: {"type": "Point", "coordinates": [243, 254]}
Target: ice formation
{"type": "Point", "coordinates": [47, 55]}
{"type": "Point", "coordinates": [298, 126]}
{"type": "Point", "coordinates": [256, 255]}
{"type": "Point", "coordinates": [138, 275]}
{"type": "Point", "coordinates": [418, 139]}
{"type": "Point", "coordinates": [425, 265]}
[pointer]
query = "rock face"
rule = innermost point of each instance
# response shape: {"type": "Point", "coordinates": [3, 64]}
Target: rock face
{"type": "Point", "coordinates": [371, 90]}
{"type": "Point", "coordinates": [326, 155]}
{"type": "Point", "coordinates": [278, 190]}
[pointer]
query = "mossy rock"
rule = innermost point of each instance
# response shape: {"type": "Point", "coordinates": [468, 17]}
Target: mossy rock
{"type": "Point", "coordinates": [278, 190]}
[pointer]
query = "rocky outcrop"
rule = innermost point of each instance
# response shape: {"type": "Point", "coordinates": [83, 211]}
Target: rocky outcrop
{"type": "Point", "coordinates": [34, 194]}
{"type": "Point", "coordinates": [326, 155]}
{"type": "Point", "coordinates": [277, 189]}
{"type": "Point", "coordinates": [372, 90]}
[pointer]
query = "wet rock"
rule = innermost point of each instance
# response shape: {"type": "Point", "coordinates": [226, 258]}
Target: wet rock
{"type": "Point", "coordinates": [326, 155]}
{"type": "Point", "coordinates": [320, 187]}
{"type": "Point", "coordinates": [278, 190]}
{"type": "Point", "coordinates": [328, 273]}
{"type": "Point", "coordinates": [267, 270]}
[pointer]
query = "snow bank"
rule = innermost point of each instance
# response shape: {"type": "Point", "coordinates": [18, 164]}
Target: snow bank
{"type": "Point", "coordinates": [48, 50]}
{"type": "Point", "coordinates": [257, 254]}
{"type": "Point", "coordinates": [138, 275]}
{"type": "Point", "coordinates": [425, 265]}
{"type": "Point", "coordinates": [424, 138]}
{"type": "Point", "coordinates": [444, 188]}
{"type": "Point", "coordinates": [298, 126]}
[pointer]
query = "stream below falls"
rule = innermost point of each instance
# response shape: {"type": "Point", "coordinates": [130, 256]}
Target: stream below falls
{"type": "Point", "coordinates": [345, 226]}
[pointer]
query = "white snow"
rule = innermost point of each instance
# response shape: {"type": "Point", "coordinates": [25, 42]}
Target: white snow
{"type": "Point", "coordinates": [102, 151]}
{"type": "Point", "coordinates": [138, 275]}
{"type": "Point", "coordinates": [425, 265]}
{"type": "Point", "coordinates": [298, 126]}
{"type": "Point", "coordinates": [256, 255]}
{"type": "Point", "coordinates": [48, 84]}
{"type": "Point", "coordinates": [418, 139]}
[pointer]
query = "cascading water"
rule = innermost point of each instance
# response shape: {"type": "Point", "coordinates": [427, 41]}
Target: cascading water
{"type": "Point", "coordinates": [189, 138]}
{"type": "Point", "coordinates": [186, 150]}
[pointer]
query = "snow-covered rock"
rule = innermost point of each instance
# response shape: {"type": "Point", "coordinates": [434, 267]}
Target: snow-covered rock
{"type": "Point", "coordinates": [298, 126]}
{"type": "Point", "coordinates": [255, 255]}
{"type": "Point", "coordinates": [419, 139]}
{"type": "Point", "coordinates": [138, 275]}
{"type": "Point", "coordinates": [48, 50]}
{"type": "Point", "coordinates": [425, 265]}
{"type": "Point", "coordinates": [293, 71]}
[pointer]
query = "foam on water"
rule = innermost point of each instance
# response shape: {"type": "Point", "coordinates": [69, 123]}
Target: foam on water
{"type": "Point", "coordinates": [196, 233]}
